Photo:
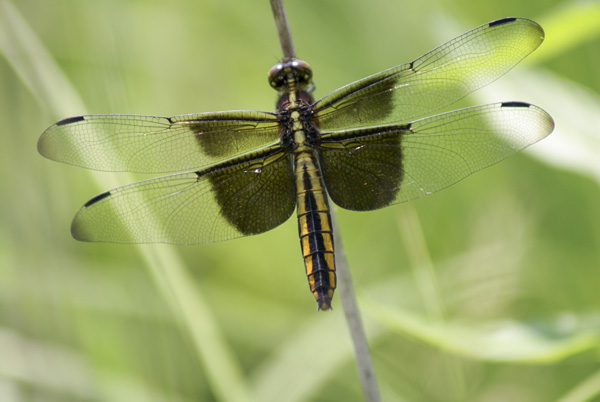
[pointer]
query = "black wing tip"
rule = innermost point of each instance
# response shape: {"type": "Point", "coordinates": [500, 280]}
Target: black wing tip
{"type": "Point", "coordinates": [97, 198]}
{"type": "Point", "coordinates": [510, 20]}
{"type": "Point", "coordinates": [78, 230]}
{"type": "Point", "coordinates": [70, 120]}
{"type": "Point", "coordinates": [515, 104]}
{"type": "Point", "coordinates": [502, 21]}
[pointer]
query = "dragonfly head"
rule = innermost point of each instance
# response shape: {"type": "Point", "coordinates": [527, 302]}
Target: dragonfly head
{"type": "Point", "coordinates": [290, 75]}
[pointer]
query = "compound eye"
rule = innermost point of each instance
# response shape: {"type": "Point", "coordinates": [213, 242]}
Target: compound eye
{"type": "Point", "coordinates": [304, 71]}
{"type": "Point", "coordinates": [277, 76]}
{"type": "Point", "coordinates": [296, 73]}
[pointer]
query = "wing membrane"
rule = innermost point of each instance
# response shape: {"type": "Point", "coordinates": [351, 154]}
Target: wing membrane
{"type": "Point", "coordinates": [149, 144]}
{"type": "Point", "coordinates": [434, 80]}
{"type": "Point", "coordinates": [371, 168]}
{"type": "Point", "coordinates": [243, 197]}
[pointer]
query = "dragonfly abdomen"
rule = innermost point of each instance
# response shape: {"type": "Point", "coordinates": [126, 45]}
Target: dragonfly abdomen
{"type": "Point", "coordinates": [314, 226]}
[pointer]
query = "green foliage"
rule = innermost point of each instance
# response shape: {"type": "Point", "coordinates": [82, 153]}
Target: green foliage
{"type": "Point", "coordinates": [485, 291]}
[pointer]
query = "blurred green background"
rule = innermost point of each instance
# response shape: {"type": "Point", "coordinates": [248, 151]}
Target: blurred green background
{"type": "Point", "coordinates": [487, 291]}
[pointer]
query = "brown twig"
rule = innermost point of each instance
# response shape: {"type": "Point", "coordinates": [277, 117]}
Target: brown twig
{"type": "Point", "coordinates": [366, 372]}
{"type": "Point", "coordinates": [283, 29]}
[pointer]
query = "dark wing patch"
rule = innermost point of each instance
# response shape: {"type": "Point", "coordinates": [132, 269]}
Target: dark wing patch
{"type": "Point", "coordinates": [258, 197]}
{"type": "Point", "coordinates": [364, 172]}
{"type": "Point", "coordinates": [371, 168]}
{"type": "Point", "coordinates": [241, 197]}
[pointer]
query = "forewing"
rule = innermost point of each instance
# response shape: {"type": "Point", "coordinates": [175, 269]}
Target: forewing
{"type": "Point", "coordinates": [149, 144]}
{"type": "Point", "coordinates": [371, 168]}
{"type": "Point", "coordinates": [241, 198]}
{"type": "Point", "coordinates": [434, 80]}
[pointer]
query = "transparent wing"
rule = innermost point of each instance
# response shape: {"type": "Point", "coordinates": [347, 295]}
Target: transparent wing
{"type": "Point", "coordinates": [366, 169]}
{"type": "Point", "coordinates": [241, 198]}
{"type": "Point", "coordinates": [149, 144]}
{"type": "Point", "coordinates": [434, 80]}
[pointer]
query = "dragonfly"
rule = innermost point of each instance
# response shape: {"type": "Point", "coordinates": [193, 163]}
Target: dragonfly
{"type": "Point", "coordinates": [367, 145]}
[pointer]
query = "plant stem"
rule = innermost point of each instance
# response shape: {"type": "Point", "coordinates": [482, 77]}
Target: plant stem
{"type": "Point", "coordinates": [366, 372]}
{"type": "Point", "coordinates": [283, 29]}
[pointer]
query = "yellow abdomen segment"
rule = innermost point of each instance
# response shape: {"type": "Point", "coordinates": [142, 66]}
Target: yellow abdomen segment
{"type": "Point", "coordinates": [314, 226]}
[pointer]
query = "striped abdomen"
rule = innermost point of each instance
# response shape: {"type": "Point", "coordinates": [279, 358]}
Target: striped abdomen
{"type": "Point", "coordinates": [314, 225]}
